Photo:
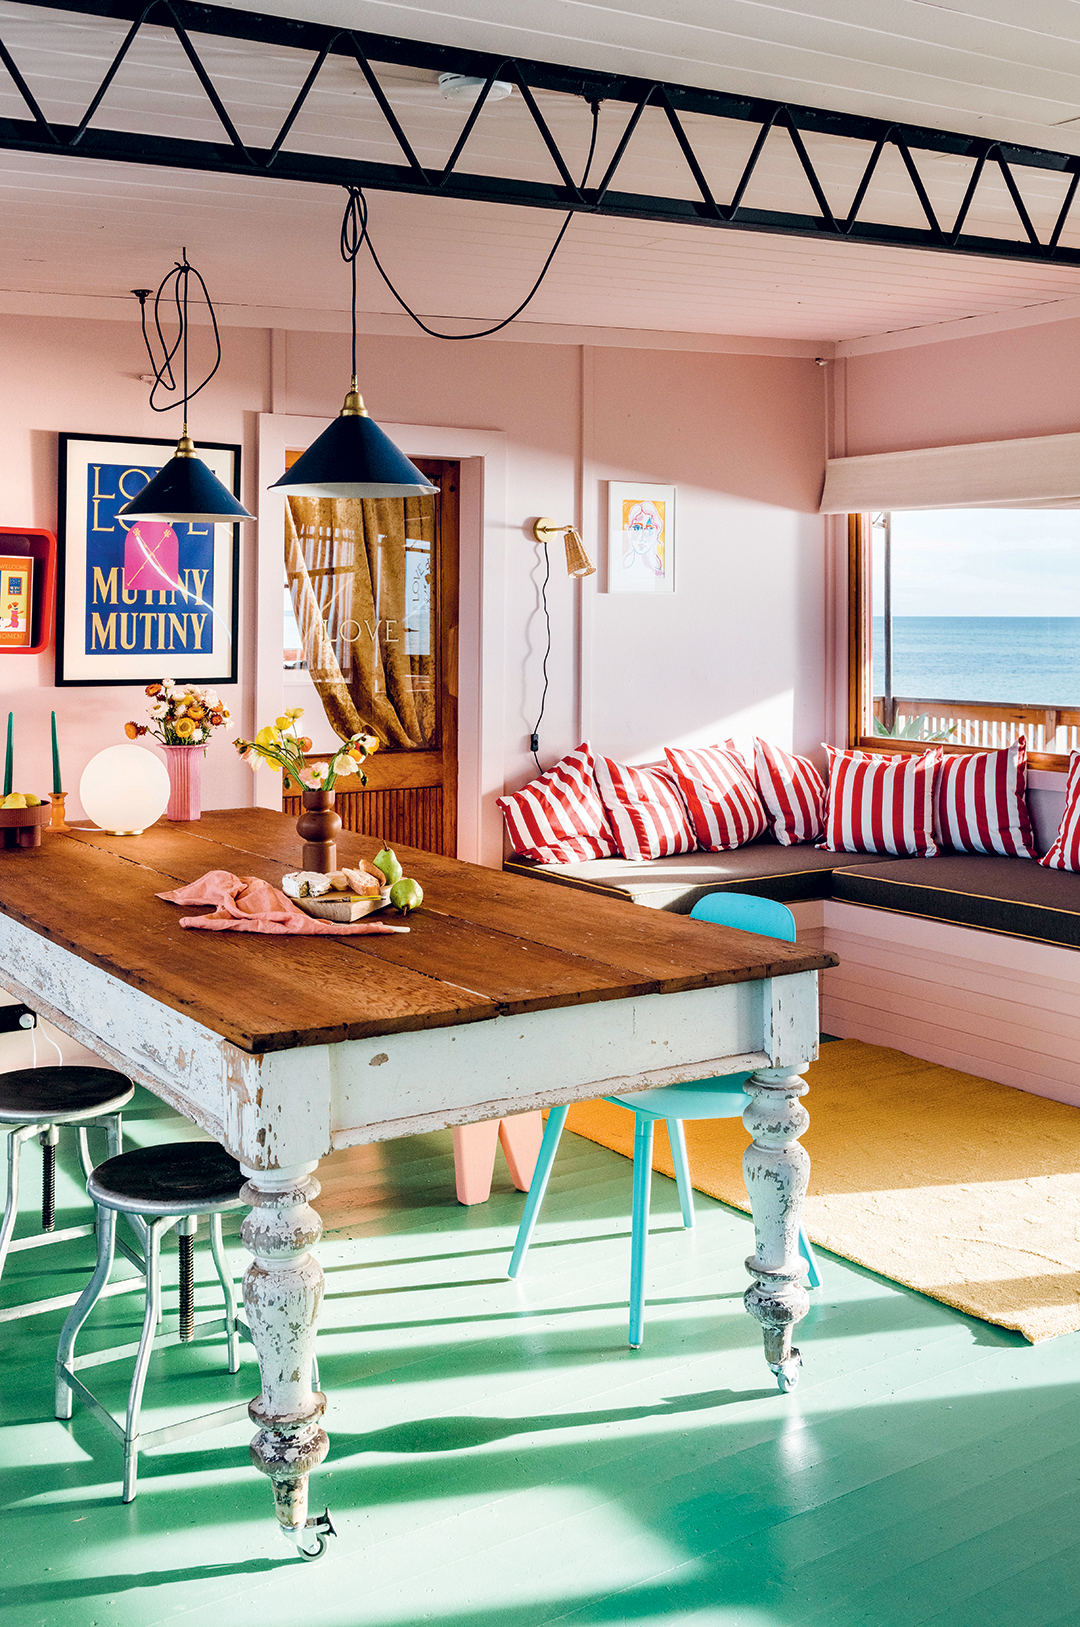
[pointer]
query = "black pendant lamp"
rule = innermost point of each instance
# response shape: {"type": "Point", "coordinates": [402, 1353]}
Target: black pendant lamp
{"type": "Point", "coordinates": [186, 490]}
{"type": "Point", "coordinates": [353, 457]}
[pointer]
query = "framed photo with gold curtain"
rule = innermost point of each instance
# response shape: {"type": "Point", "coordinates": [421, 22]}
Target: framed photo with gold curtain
{"type": "Point", "coordinates": [641, 538]}
{"type": "Point", "coordinates": [141, 599]}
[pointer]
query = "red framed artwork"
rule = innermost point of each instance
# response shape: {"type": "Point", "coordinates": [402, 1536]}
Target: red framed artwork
{"type": "Point", "coordinates": [27, 589]}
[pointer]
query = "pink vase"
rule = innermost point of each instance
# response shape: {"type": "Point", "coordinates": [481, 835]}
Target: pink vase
{"type": "Point", "coordinates": [185, 781]}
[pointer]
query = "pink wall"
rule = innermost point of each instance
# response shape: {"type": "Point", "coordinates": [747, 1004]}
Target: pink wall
{"type": "Point", "coordinates": [741, 644]}
{"type": "Point", "coordinates": [740, 647]}
{"type": "Point", "coordinates": [995, 386]}
{"type": "Point", "coordinates": [82, 377]}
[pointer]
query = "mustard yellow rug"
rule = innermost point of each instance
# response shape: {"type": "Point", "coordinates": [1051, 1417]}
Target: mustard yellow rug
{"type": "Point", "coordinates": [966, 1190]}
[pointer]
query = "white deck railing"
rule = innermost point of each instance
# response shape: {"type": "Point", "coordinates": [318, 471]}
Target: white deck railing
{"type": "Point", "coordinates": [976, 723]}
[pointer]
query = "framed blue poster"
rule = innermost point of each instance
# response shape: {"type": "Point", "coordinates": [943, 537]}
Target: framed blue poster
{"type": "Point", "coordinates": [141, 599]}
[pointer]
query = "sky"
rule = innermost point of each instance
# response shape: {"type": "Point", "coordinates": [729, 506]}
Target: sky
{"type": "Point", "coordinates": [983, 562]}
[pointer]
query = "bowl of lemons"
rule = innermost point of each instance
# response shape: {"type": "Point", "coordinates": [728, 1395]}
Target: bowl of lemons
{"type": "Point", "coordinates": [22, 815]}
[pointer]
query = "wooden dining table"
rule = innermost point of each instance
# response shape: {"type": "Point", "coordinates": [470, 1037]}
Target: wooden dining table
{"type": "Point", "coordinates": [505, 995]}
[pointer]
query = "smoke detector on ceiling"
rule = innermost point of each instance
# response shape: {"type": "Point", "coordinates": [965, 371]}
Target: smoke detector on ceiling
{"type": "Point", "coordinates": [459, 87]}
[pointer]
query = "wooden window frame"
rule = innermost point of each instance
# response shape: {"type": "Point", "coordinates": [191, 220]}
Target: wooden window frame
{"type": "Point", "coordinates": [860, 611]}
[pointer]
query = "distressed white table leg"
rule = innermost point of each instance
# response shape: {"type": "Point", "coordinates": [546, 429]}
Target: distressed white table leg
{"type": "Point", "coordinates": [776, 1170]}
{"type": "Point", "coordinates": [283, 1288]}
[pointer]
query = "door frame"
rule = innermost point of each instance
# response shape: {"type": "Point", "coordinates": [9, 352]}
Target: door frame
{"type": "Point", "coordinates": [483, 533]}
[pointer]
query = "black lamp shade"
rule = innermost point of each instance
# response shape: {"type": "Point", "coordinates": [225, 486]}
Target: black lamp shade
{"type": "Point", "coordinates": [353, 457]}
{"type": "Point", "coordinates": [186, 490]}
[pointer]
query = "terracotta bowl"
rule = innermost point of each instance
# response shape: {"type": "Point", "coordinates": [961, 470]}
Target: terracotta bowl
{"type": "Point", "coordinates": [22, 827]}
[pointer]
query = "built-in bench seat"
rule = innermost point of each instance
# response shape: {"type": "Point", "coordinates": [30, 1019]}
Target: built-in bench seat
{"type": "Point", "coordinates": [1013, 896]}
{"type": "Point", "coordinates": [787, 874]}
{"type": "Point", "coordinates": [964, 959]}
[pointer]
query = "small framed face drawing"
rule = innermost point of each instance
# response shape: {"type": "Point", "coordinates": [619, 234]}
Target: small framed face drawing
{"type": "Point", "coordinates": [641, 538]}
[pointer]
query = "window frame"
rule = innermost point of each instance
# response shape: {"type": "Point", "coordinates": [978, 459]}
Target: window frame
{"type": "Point", "coordinates": [860, 699]}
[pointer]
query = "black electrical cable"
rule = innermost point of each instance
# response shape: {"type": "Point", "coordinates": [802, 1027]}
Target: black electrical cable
{"type": "Point", "coordinates": [164, 379]}
{"type": "Point", "coordinates": [534, 739]}
{"type": "Point", "coordinates": [355, 234]}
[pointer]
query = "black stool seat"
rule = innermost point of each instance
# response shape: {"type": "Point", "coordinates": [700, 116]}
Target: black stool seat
{"type": "Point", "coordinates": [180, 1178]}
{"type": "Point", "coordinates": [61, 1094]}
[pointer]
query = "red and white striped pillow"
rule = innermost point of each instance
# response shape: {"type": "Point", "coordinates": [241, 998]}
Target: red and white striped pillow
{"type": "Point", "coordinates": [559, 818]}
{"type": "Point", "coordinates": [880, 804]}
{"type": "Point", "coordinates": [725, 810]}
{"type": "Point", "coordinates": [644, 809]}
{"type": "Point", "coordinates": [1065, 853]}
{"type": "Point", "coordinates": [980, 803]}
{"type": "Point", "coordinates": [792, 793]}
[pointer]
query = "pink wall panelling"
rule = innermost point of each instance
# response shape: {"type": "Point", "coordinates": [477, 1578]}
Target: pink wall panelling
{"type": "Point", "coordinates": [739, 647]}
{"type": "Point", "coordinates": [1001, 1008]}
{"type": "Point", "coordinates": [82, 376]}
{"type": "Point", "coordinates": [990, 387]}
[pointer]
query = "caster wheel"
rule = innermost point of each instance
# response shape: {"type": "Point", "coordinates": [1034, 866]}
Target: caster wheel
{"type": "Point", "coordinates": [316, 1532]}
{"type": "Point", "coordinates": [787, 1373]}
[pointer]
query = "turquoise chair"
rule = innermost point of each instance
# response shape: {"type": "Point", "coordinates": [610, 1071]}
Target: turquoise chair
{"type": "Point", "coordinates": [721, 1098]}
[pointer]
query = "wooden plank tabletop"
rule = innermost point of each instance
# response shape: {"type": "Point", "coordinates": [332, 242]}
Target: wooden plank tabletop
{"type": "Point", "coordinates": [485, 943]}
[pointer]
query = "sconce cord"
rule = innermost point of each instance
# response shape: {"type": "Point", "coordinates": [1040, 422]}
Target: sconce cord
{"type": "Point", "coordinates": [355, 234]}
{"type": "Point", "coordinates": [164, 378]}
{"type": "Point", "coordinates": [535, 738]}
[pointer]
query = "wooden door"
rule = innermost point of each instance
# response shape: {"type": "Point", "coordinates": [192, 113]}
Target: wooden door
{"type": "Point", "coordinates": [411, 794]}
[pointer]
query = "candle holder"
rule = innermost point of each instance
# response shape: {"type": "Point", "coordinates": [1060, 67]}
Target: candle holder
{"type": "Point", "coordinates": [58, 821]}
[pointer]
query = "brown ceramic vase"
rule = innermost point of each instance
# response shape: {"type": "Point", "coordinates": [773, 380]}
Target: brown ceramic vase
{"type": "Point", "coordinates": [319, 826]}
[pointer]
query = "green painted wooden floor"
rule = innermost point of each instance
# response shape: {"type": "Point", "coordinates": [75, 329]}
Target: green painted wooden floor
{"type": "Point", "coordinates": [500, 1458]}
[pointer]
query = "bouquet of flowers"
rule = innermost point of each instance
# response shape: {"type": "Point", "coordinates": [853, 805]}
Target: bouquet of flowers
{"type": "Point", "coordinates": [181, 715]}
{"type": "Point", "coordinates": [283, 747]}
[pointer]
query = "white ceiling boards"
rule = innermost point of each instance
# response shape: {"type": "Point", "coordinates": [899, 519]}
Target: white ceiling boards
{"type": "Point", "coordinates": [81, 229]}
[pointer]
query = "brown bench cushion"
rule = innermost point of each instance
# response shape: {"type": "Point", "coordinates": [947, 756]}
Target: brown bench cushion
{"type": "Point", "coordinates": [783, 873]}
{"type": "Point", "coordinates": [1014, 896]}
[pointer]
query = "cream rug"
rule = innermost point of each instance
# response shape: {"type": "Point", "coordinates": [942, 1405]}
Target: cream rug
{"type": "Point", "coordinates": [966, 1190]}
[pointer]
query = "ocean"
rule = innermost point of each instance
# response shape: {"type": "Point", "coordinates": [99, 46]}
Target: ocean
{"type": "Point", "coordinates": [1028, 660]}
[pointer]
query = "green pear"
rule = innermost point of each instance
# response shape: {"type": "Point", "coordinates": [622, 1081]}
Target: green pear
{"type": "Point", "coordinates": [406, 895]}
{"type": "Point", "coordinates": [387, 861]}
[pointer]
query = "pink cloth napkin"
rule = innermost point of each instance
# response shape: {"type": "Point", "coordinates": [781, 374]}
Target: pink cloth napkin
{"type": "Point", "coordinates": [246, 904]}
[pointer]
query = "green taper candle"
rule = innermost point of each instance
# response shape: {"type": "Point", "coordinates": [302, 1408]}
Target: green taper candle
{"type": "Point", "coordinates": [7, 759]}
{"type": "Point", "coordinates": [57, 784]}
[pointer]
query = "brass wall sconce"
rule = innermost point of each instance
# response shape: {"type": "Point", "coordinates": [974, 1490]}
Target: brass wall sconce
{"type": "Point", "coordinates": [578, 562]}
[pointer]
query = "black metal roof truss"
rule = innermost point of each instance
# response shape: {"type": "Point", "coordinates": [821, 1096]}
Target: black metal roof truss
{"type": "Point", "coordinates": [39, 134]}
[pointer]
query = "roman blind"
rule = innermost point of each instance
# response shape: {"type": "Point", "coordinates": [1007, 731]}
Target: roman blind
{"type": "Point", "coordinates": [1041, 472]}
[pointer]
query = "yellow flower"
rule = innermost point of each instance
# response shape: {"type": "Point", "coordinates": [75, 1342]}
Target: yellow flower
{"type": "Point", "coordinates": [267, 737]}
{"type": "Point", "coordinates": [293, 712]}
{"type": "Point", "coordinates": [282, 722]}
{"type": "Point", "coordinates": [184, 728]}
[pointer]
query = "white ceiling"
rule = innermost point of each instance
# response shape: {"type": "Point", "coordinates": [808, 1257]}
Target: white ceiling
{"type": "Point", "coordinates": [80, 230]}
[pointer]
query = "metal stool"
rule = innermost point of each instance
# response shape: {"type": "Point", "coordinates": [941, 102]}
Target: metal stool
{"type": "Point", "coordinates": [38, 1102]}
{"type": "Point", "coordinates": [165, 1186]}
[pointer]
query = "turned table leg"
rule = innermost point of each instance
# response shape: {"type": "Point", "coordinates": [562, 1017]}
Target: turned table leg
{"type": "Point", "coordinates": [283, 1288]}
{"type": "Point", "coordinates": [776, 1170]}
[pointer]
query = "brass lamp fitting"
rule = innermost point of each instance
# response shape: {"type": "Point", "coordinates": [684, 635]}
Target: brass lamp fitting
{"type": "Point", "coordinates": [578, 562]}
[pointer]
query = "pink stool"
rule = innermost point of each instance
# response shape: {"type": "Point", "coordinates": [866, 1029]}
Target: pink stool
{"type": "Point", "coordinates": [474, 1153]}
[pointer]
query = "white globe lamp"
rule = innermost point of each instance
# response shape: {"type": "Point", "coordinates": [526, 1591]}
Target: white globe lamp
{"type": "Point", "coordinates": [123, 789]}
